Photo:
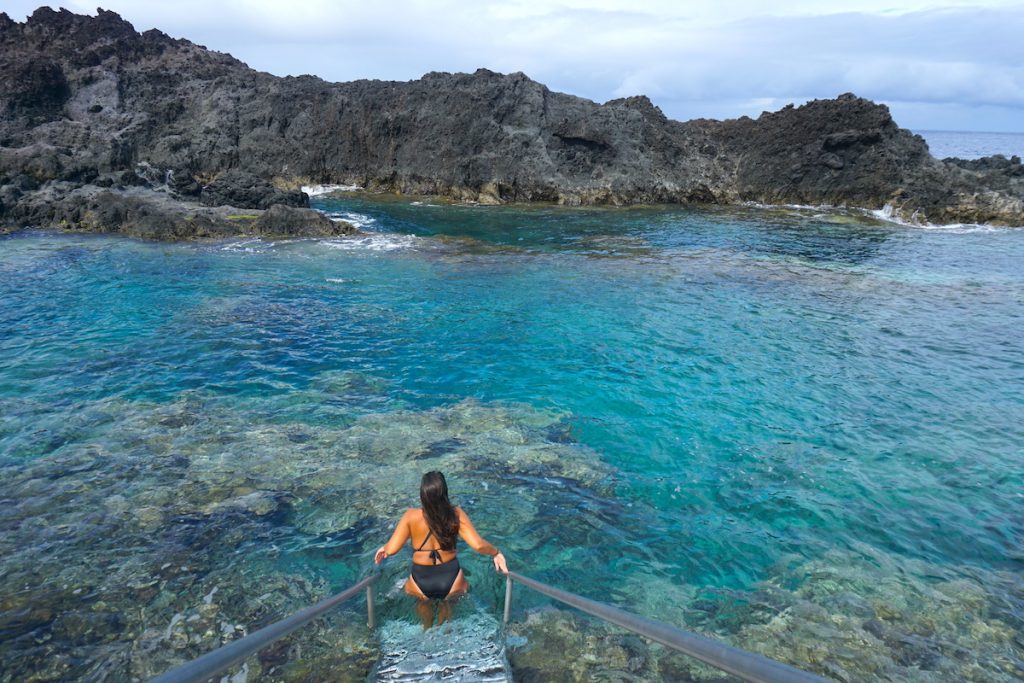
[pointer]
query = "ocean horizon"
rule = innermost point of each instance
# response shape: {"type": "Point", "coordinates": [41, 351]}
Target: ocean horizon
{"type": "Point", "coordinates": [972, 145]}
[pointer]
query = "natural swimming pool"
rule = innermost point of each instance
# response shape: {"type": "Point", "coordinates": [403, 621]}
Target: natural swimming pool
{"type": "Point", "coordinates": [799, 430]}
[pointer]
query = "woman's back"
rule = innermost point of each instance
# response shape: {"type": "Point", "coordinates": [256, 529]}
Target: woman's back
{"type": "Point", "coordinates": [424, 541]}
{"type": "Point", "coordinates": [433, 531]}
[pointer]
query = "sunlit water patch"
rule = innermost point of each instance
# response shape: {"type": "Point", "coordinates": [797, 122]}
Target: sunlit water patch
{"type": "Point", "coordinates": [797, 430]}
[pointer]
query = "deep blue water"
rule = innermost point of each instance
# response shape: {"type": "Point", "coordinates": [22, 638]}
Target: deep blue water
{"type": "Point", "coordinates": [965, 145]}
{"type": "Point", "coordinates": [664, 408]}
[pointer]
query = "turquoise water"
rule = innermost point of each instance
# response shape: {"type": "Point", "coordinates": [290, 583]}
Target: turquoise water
{"type": "Point", "coordinates": [783, 427]}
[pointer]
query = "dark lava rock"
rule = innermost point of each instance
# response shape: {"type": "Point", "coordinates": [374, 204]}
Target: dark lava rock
{"type": "Point", "coordinates": [247, 191]}
{"type": "Point", "coordinates": [150, 214]}
{"type": "Point", "coordinates": [37, 89]}
{"type": "Point", "coordinates": [87, 97]}
{"type": "Point", "coordinates": [288, 221]}
{"type": "Point", "coordinates": [998, 163]}
{"type": "Point", "coordinates": [183, 183]}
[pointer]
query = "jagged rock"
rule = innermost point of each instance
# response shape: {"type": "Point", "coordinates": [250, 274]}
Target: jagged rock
{"type": "Point", "coordinates": [149, 214]}
{"type": "Point", "coordinates": [183, 183]}
{"type": "Point", "coordinates": [245, 190]}
{"type": "Point", "coordinates": [999, 163]}
{"type": "Point", "coordinates": [85, 97]}
{"type": "Point", "coordinates": [287, 221]}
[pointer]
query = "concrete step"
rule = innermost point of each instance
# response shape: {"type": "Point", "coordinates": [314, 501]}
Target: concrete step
{"type": "Point", "coordinates": [468, 648]}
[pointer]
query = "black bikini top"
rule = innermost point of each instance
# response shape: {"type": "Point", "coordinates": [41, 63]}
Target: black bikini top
{"type": "Point", "coordinates": [435, 553]}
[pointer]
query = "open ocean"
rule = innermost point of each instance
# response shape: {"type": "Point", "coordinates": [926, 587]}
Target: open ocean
{"type": "Point", "coordinates": [800, 431]}
{"type": "Point", "coordinates": [943, 143]}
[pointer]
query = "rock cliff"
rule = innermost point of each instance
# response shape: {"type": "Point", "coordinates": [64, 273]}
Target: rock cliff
{"type": "Point", "coordinates": [90, 103]}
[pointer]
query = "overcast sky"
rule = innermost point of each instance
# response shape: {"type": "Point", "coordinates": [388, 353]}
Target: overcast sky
{"type": "Point", "coordinates": [945, 65]}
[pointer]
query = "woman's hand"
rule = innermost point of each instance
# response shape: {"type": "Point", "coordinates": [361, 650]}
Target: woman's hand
{"type": "Point", "coordinates": [499, 563]}
{"type": "Point", "coordinates": [380, 556]}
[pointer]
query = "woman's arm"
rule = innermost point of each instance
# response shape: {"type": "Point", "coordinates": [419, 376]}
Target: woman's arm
{"type": "Point", "coordinates": [398, 539]}
{"type": "Point", "coordinates": [474, 540]}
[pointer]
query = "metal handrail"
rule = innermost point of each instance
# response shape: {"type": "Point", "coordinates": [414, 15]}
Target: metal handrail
{"type": "Point", "coordinates": [226, 656]}
{"type": "Point", "coordinates": [745, 665]}
{"type": "Point", "coordinates": [748, 666]}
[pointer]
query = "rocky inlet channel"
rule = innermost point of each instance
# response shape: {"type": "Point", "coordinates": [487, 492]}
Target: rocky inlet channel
{"type": "Point", "coordinates": [105, 129]}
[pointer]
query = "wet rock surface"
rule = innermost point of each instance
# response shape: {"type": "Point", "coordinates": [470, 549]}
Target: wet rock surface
{"type": "Point", "coordinates": [89, 98]}
{"type": "Point", "coordinates": [149, 214]}
{"type": "Point", "coordinates": [288, 221]}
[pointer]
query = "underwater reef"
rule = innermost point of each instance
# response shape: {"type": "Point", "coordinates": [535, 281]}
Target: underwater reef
{"type": "Point", "coordinates": [138, 536]}
{"type": "Point", "coordinates": [158, 532]}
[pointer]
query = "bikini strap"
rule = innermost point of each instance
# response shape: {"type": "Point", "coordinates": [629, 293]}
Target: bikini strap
{"type": "Point", "coordinates": [434, 554]}
{"type": "Point", "coordinates": [425, 539]}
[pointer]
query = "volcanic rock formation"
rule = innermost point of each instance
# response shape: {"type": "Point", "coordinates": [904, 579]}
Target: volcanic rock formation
{"type": "Point", "coordinates": [90, 103]}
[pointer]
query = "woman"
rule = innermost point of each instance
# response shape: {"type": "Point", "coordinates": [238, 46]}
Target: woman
{"type": "Point", "coordinates": [433, 529]}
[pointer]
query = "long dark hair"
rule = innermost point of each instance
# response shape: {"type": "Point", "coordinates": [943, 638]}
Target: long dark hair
{"type": "Point", "coordinates": [439, 511]}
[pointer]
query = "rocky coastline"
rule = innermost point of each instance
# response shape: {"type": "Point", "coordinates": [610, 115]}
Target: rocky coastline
{"type": "Point", "coordinates": [108, 129]}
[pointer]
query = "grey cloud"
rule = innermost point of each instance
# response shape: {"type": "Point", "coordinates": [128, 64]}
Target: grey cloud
{"type": "Point", "coordinates": [955, 58]}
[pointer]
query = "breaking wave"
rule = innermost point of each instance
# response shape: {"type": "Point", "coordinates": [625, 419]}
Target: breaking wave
{"type": "Point", "coordinates": [359, 220]}
{"type": "Point", "coordinates": [889, 214]}
{"type": "Point", "coordinates": [317, 190]}
{"type": "Point", "coordinates": [374, 242]}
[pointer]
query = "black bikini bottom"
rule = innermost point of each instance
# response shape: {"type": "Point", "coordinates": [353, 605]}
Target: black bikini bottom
{"type": "Point", "coordinates": [436, 580]}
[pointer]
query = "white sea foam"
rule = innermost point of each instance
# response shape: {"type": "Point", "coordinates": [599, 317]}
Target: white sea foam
{"type": "Point", "coordinates": [317, 190]}
{"type": "Point", "coordinates": [359, 220]}
{"type": "Point", "coordinates": [337, 280]}
{"type": "Point", "coordinates": [963, 228]}
{"type": "Point", "coordinates": [255, 245]}
{"type": "Point", "coordinates": [249, 246]}
{"type": "Point", "coordinates": [374, 242]}
{"type": "Point", "coordinates": [799, 207]}
{"type": "Point", "coordinates": [889, 214]}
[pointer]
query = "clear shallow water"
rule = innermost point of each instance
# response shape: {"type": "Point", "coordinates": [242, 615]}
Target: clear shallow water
{"type": "Point", "coordinates": [801, 431]}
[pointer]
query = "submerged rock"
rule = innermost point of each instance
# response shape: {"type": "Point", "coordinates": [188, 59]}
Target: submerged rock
{"type": "Point", "coordinates": [551, 644]}
{"type": "Point", "coordinates": [199, 521]}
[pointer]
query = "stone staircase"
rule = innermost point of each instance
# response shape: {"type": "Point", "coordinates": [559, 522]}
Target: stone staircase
{"type": "Point", "coordinates": [468, 648]}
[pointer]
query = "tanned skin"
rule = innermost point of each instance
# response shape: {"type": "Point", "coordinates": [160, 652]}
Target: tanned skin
{"type": "Point", "coordinates": [413, 527]}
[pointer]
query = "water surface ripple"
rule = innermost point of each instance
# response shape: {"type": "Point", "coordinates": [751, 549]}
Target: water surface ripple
{"type": "Point", "coordinates": [799, 430]}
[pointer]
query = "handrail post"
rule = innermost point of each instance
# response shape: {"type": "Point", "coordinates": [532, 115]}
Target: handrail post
{"type": "Point", "coordinates": [371, 611]}
{"type": "Point", "coordinates": [508, 599]}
